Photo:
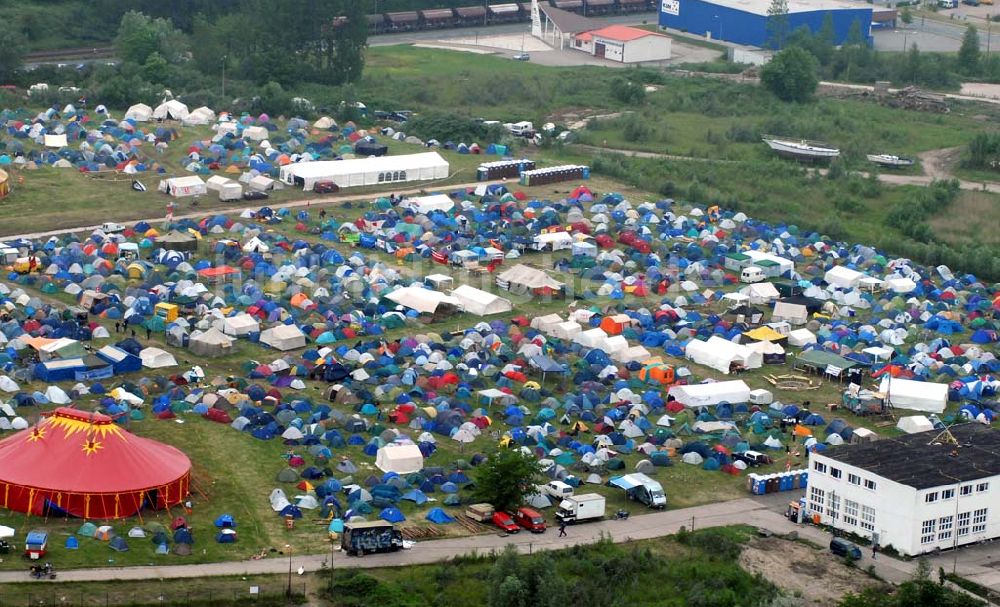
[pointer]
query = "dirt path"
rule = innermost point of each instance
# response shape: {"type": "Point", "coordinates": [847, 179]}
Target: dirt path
{"type": "Point", "coordinates": [938, 163]}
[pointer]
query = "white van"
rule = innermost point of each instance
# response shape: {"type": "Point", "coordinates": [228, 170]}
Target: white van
{"type": "Point", "coordinates": [752, 274]}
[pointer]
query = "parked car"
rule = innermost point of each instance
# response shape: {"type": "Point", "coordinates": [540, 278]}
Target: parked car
{"type": "Point", "coordinates": [522, 57]}
{"type": "Point", "coordinates": [753, 458]}
{"type": "Point", "coordinates": [842, 547]}
{"type": "Point", "coordinates": [505, 522]}
{"type": "Point", "coordinates": [254, 195]}
{"type": "Point", "coordinates": [530, 519]}
{"type": "Point", "coordinates": [326, 187]}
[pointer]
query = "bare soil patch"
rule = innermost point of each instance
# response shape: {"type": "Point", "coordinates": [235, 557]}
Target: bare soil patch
{"type": "Point", "coordinates": [816, 576]}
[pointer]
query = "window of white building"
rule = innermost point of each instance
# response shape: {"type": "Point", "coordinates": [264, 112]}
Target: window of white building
{"type": "Point", "coordinates": [944, 527]}
{"type": "Point", "coordinates": [979, 520]}
{"type": "Point", "coordinates": [867, 518]}
{"type": "Point", "coordinates": [927, 531]}
{"type": "Point", "coordinates": [850, 512]}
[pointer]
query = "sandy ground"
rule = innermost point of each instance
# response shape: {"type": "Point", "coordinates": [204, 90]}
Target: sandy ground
{"type": "Point", "coordinates": [544, 54]}
{"type": "Point", "coordinates": [938, 163]}
{"type": "Point", "coordinates": [816, 576]}
{"type": "Point", "coordinates": [980, 89]}
{"type": "Point", "coordinates": [509, 42]}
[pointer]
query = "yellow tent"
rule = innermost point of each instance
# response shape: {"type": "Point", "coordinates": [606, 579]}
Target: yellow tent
{"type": "Point", "coordinates": [764, 334]}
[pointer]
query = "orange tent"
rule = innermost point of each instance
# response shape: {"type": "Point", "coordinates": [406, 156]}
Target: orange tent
{"type": "Point", "coordinates": [802, 431]}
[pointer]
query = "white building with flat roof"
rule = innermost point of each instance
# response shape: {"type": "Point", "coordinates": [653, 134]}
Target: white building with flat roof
{"type": "Point", "coordinates": [917, 493]}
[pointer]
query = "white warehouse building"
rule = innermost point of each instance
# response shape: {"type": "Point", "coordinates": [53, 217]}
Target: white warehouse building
{"type": "Point", "coordinates": [917, 493]}
{"type": "Point", "coordinates": [376, 170]}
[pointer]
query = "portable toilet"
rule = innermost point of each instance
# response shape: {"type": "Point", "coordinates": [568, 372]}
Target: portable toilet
{"type": "Point", "coordinates": [752, 483]}
{"type": "Point", "coordinates": [36, 544]}
{"type": "Point", "coordinates": [167, 311]}
{"type": "Point", "coordinates": [787, 482]}
{"type": "Point", "coordinates": [804, 479]}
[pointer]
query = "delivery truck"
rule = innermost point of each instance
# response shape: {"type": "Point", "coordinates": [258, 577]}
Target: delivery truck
{"type": "Point", "coordinates": [580, 508]}
{"type": "Point", "coordinates": [370, 537]}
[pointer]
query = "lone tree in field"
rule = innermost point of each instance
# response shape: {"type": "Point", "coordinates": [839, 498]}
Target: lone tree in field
{"type": "Point", "coordinates": [791, 75]}
{"type": "Point", "coordinates": [777, 23]}
{"type": "Point", "coordinates": [968, 53]}
{"type": "Point", "coordinates": [505, 478]}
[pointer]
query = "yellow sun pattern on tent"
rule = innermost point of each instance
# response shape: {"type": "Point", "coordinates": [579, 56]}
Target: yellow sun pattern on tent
{"type": "Point", "coordinates": [72, 426]}
{"type": "Point", "coordinates": [92, 446]}
{"type": "Point", "coordinates": [37, 434]}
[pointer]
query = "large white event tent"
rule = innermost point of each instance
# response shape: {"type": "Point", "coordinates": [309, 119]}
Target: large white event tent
{"type": "Point", "coordinates": [366, 171]}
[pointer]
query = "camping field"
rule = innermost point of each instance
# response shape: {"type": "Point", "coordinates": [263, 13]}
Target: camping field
{"type": "Point", "coordinates": [234, 473]}
{"type": "Point", "coordinates": [52, 198]}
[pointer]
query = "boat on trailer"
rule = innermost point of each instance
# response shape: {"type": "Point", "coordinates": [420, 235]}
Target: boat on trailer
{"type": "Point", "coordinates": [889, 160]}
{"type": "Point", "coordinates": [801, 149]}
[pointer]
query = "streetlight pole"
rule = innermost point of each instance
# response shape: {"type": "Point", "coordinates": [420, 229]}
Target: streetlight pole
{"type": "Point", "coordinates": [224, 58]}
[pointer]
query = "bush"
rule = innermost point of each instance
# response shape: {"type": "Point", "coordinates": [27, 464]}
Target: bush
{"type": "Point", "coordinates": [628, 92]}
{"type": "Point", "coordinates": [445, 127]}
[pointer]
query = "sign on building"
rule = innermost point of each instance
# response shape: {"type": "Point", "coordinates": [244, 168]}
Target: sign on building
{"type": "Point", "coordinates": [671, 7]}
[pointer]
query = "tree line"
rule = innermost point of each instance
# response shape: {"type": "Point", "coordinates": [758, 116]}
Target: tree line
{"type": "Point", "coordinates": [250, 55]}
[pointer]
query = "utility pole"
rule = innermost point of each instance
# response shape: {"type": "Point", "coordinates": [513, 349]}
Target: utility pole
{"type": "Point", "coordinates": [224, 58]}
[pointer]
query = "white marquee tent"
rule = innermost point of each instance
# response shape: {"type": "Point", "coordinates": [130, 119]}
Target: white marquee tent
{"type": "Point", "coordinates": [283, 337]}
{"type": "Point", "coordinates": [479, 302]}
{"type": "Point", "coordinates": [704, 395]}
{"type": "Point", "coordinates": [422, 300]}
{"type": "Point", "coordinates": [366, 171]}
{"type": "Point", "coordinates": [917, 395]}
{"type": "Point", "coordinates": [720, 354]}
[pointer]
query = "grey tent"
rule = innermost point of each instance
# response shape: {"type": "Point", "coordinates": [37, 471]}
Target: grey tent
{"type": "Point", "coordinates": [288, 475]}
{"type": "Point", "coordinates": [211, 343]}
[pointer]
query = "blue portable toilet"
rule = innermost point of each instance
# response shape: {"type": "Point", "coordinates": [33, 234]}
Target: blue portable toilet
{"type": "Point", "coordinates": [72, 543]}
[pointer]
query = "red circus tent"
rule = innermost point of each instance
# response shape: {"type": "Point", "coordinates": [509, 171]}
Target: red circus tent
{"type": "Point", "coordinates": [83, 464]}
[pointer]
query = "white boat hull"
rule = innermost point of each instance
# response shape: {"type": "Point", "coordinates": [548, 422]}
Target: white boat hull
{"type": "Point", "coordinates": [802, 150]}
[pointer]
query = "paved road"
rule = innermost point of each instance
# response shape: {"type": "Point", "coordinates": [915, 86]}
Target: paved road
{"type": "Point", "coordinates": [741, 511]}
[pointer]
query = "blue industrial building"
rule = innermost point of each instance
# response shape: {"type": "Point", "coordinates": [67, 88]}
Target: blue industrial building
{"type": "Point", "coordinates": [745, 21]}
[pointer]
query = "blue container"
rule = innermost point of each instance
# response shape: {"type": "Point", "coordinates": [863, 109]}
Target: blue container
{"type": "Point", "coordinates": [787, 482]}
{"type": "Point", "coordinates": [804, 481]}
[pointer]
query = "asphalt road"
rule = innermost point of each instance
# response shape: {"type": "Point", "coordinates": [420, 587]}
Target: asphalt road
{"type": "Point", "coordinates": [760, 513]}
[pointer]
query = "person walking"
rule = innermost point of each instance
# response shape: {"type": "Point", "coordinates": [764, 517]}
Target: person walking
{"type": "Point", "coordinates": [562, 528]}
{"type": "Point", "coordinates": [149, 334]}
{"type": "Point", "coordinates": [874, 550]}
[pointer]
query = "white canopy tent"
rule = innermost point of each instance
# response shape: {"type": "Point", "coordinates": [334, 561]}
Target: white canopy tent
{"type": "Point", "coordinates": [479, 302]}
{"type": "Point", "coordinates": [422, 300]}
{"type": "Point", "coordinates": [720, 354]}
{"type": "Point", "coordinates": [139, 112]}
{"type": "Point", "coordinates": [843, 277]}
{"type": "Point", "coordinates": [283, 337]}
{"type": "Point", "coordinates": [916, 395]}
{"type": "Point", "coordinates": [401, 459]}
{"type": "Point", "coordinates": [179, 187]}
{"type": "Point", "coordinates": [704, 395]}
{"type": "Point", "coordinates": [427, 204]}
{"type": "Point", "coordinates": [171, 110]}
